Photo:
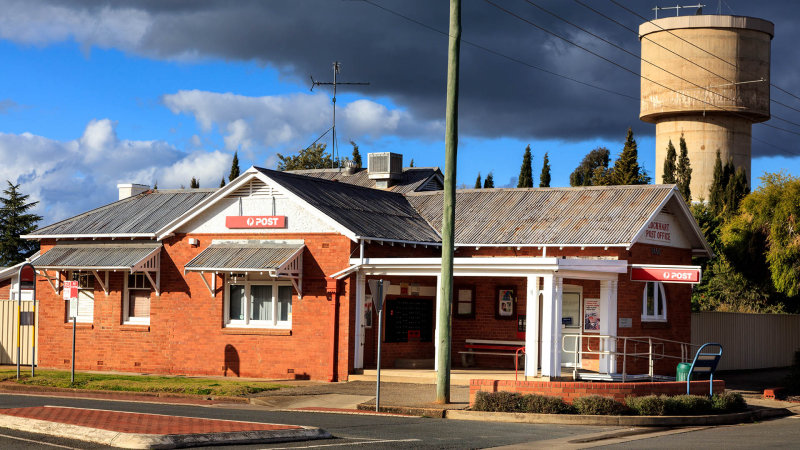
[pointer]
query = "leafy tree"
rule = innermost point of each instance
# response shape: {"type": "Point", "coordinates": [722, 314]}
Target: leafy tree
{"type": "Point", "coordinates": [592, 166]}
{"type": "Point", "coordinates": [489, 181]}
{"type": "Point", "coordinates": [626, 168]}
{"type": "Point", "coordinates": [478, 181]}
{"type": "Point", "coordinates": [526, 171]}
{"type": "Point", "coordinates": [767, 230]}
{"type": "Point", "coordinates": [155, 185]}
{"type": "Point", "coordinates": [222, 182]}
{"type": "Point", "coordinates": [194, 183]}
{"type": "Point", "coordinates": [668, 177]}
{"type": "Point", "coordinates": [234, 167]}
{"type": "Point", "coordinates": [544, 178]}
{"type": "Point", "coordinates": [683, 176]}
{"type": "Point", "coordinates": [312, 157]}
{"type": "Point", "coordinates": [15, 221]}
{"type": "Point", "coordinates": [411, 164]}
{"type": "Point", "coordinates": [357, 156]}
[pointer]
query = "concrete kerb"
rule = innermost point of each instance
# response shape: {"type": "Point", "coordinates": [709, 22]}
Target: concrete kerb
{"type": "Point", "coordinates": [754, 414]}
{"type": "Point", "coordinates": [159, 441]}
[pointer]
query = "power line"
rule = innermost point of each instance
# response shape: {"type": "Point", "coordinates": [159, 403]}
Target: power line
{"type": "Point", "coordinates": [639, 57]}
{"type": "Point", "coordinates": [625, 68]}
{"type": "Point", "coordinates": [696, 46]}
{"type": "Point", "coordinates": [502, 55]}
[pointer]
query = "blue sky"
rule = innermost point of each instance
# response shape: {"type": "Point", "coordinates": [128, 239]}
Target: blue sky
{"type": "Point", "coordinates": [95, 96]}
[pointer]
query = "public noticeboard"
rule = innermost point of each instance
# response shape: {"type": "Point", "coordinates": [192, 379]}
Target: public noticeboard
{"type": "Point", "coordinates": [666, 274]}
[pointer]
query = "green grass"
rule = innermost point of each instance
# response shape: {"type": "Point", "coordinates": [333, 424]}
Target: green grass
{"type": "Point", "coordinates": [140, 383]}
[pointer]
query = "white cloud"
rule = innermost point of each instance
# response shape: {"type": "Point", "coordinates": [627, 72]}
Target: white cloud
{"type": "Point", "coordinates": [69, 177]}
{"type": "Point", "coordinates": [273, 122]}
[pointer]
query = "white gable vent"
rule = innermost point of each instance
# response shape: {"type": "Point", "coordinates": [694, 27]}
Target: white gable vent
{"type": "Point", "coordinates": [385, 168]}
{"type": "Point", "coordinates": [255, 188]}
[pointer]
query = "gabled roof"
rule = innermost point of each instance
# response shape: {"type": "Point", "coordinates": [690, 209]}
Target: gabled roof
{"type": "Point", "coordinates": [368, 213]}
{"type": "Point", "coordinates": [414, 179]}
{"type": "Point", "coordinates": [138, 216]}
{"type": "Point", "coordinates": [581, 216]}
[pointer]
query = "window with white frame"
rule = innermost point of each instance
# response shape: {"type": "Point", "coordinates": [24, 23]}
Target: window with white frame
{"type": "Point", "coordinates": [83, 307]}
{"type": "Point", "coordinates": [259, 302]}
{"type": "Point", "coordinates": [654, 302]}
{"type": "Point", "coordinates": [136, 308]}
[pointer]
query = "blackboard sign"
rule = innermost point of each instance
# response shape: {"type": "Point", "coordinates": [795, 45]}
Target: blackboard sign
{"type": "Point", "coordinates": [409, 319]}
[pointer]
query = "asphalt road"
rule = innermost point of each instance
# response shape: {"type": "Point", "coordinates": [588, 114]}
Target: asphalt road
{"type": "Point", "coordinates": [350, 431]}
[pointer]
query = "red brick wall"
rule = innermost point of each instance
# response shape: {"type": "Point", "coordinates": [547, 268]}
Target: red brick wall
{"type": "Point", "coordinates": [569, 391]}
{"type": "Point", "coordinates": [186, 333]}
{"type": "Point", "coordinates": [5, 289]}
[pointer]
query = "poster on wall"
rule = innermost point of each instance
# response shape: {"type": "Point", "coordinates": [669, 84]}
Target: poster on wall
{"type": "Point", "coordinates": [591, 314]}
{"type": "Point", "coordinates": [505, 303]}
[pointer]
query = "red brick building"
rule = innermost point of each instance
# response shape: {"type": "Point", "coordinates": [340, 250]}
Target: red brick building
{"type": "Point", "coordinates": [266, 277]}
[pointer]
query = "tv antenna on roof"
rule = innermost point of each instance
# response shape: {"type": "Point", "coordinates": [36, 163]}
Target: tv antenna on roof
{"type": "Point", "coordinates": [678, 8]}
{"type": "Point", "coordinates": [336, 67]}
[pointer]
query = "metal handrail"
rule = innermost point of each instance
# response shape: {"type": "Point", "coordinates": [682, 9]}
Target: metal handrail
{"type": "Point", "coordinates": [656, 349]}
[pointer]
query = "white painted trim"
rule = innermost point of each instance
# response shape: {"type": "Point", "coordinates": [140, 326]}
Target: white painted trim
{"type": "Point", "coordinates": [206, 203]}
{"type": "Point", "coordinates": [400, 241]}
{"type": "Point", "coordinates": [688, 217]}
{"type": "Point", "coordinates": [112, 236]}
{"type": "Point", "coordinates": [617, 244]}
{"type": "Point", "coordinates": [346, 272]}
{"type": "Point", "coordinates": [657, 211]}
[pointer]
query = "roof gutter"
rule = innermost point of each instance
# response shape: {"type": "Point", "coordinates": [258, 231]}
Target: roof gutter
{"type": "Point", "coordinates": [111, 236]}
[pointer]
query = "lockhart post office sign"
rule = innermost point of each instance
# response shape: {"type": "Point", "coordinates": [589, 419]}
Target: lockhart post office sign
{"type": "Point", "coordinates": [236, 222]}
{"type": "Point", "coordinates": [665, 274]}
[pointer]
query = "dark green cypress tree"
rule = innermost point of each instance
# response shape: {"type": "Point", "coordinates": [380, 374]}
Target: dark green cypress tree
{"type": "Point", "coordinates": [684, 172]}
{"type": "Point", "coordinates": [735, 191]}
{"type": "Point", "coordinates": [234, 167]}
{"type": "Point", "coordinates": [15, 221]}
{"type": "Point", "coordinates": [526, 171]}
{"type": "Point", "coordinates": [626, 169]}
{"type": "Point", "coordinates": [194, 183]}
{"type": "Point", "coordinates": [717, 191]}
{"type": "Point", "coordinates": [544, 178]}
{"type": "Point", "coordinates": [222, 182]}
{"type": "Point", "coordinates": [411, 164]}
{"type": "Point", "coordinates": [478, 184]}
{"type": "Point", "coordinates": [356, 155]}
{"type": "Point", "coordinates": [668, 177]}
{"type": "Point", "coordinates": [489, 181]}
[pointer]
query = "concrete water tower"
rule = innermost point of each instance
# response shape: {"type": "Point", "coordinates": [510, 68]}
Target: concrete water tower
{"type": "Point", "coordinates": [725, 92]}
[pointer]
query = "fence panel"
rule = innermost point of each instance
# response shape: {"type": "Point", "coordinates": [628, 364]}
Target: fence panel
{"type": "Point", "coordinates": [750, 341]}
{"type": "Point", "coordinates": [8, 333]}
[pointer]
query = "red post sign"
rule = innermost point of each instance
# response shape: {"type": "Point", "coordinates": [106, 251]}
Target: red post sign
{"type": "Point", "coordinates": [255, 221]}
{"type": "Point", "coordinates": [666, 274]}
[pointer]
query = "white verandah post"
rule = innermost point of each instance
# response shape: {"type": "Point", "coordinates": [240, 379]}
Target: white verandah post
{"type": "Point", "coordinates": [551, 326]}
{"type": "Point", "coordinates": [436, 331]}
{"type": "Point", "coordinates": [608, 323]}
{"type": "Point", "coordinates": [358, 344]}
{"type": "Point", "coordinates": [532, 341]}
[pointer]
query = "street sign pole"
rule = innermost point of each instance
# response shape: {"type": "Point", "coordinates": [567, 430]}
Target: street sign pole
{"type": "Point", "coordinates": [380, 327]}
{"type": "Point", "coordinates": [378, 288]}
{"type": "Point", "coordinates": [74, 326]}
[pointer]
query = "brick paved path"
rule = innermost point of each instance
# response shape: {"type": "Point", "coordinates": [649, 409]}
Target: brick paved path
{"type": "Point", "coordinates": [126, 422]}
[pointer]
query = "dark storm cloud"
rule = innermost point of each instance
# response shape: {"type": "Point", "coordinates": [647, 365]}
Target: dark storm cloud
{"type": "Point", "coordinates": [407, 62]}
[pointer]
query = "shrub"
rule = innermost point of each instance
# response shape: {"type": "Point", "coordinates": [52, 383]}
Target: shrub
{"type": "Point", "coordinates": [687, 405]}
{"type": "Point", "coordinates": [497, 402]}
{"type": "Point", "coordinates": [598, 405]}
{"type": "Point", "coordinates": [542, 404]}
{"type": "Point", "coordinates": [650, 405]}
{"type": "Point", "coordinates": [728, 402]}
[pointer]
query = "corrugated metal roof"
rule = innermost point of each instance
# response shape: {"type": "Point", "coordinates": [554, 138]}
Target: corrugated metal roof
{"type": "Point", "coordinates": [96, 255]}
{"type": "Point", "coordinates": [413, 178]}
{"type": "Point", "coordinates": [141, 214]}
{"type": "Point", "coordinates": [367, 212]}
{"type": "Point", "coordinates": [253, 255]}
{"type": "Point", "coordinates": [547, 216]}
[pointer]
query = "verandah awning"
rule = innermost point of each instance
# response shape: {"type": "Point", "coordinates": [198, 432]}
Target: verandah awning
{"type": "Point", "coordinates": [279, 258]}
{"type": "Point", "coordinates": [134, 256]}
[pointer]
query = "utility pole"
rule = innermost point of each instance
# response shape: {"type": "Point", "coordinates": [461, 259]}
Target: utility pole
{"type": "Point", "coordinates": [449, 208]}
{"type": "Point", "coordinates": [336, 67]}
